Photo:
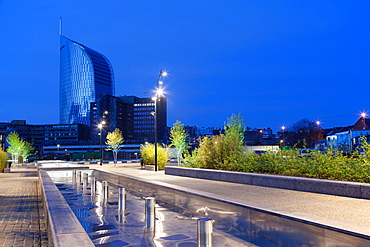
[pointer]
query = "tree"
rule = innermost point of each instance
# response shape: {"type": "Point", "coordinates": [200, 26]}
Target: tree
{"type": "Point", "coordinates": [221, 151]}
{"type": "Point", "coordinates": [114, 141]}
{"type": "Point", "coordinates": [27, 150]}
{"type": "Point", "coordinates": [304, 133]}
{"type": "Point", "coordinates": [16, 146]}
{"type": "Point", "coordinates": [179, 137]}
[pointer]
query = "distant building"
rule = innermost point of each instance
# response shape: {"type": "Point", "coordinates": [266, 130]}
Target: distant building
{"type": "Point", "coordinates": [48, 134]}
{"type": "Point", "coordinates": [134, 116]}
{"type": "Point", "coordinates": [209, 131]}
{"type": "Point", "coordinates": [85, 74]}
{"type": "Point", "coordinates": [259, 137]}
{"type": "Point", "coordinates": [346, 139]}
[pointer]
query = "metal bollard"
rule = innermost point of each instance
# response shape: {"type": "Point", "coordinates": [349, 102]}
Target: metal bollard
{"type": "Point", "coordinates": [121, 217]}
{"type": "Point", "coordinates": [150, 213]}
{"type": "Point", "coordinates": [85, 181]}
{"type": "Point", "coordinates": [105, 190]}
{"type": "Point", "coordinates": [73, 176]}
{"type": "Point", "coordinates": [204, 232]}
{"type": "Point", "coordinates": [93, 185]}
{"type": "Point", "coordinates": [122, 199]}
{"type": "Point", "coordinates": [79, 177]}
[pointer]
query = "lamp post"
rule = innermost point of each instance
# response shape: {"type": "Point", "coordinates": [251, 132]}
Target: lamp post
{"type": "Point", "coordinates": [100, 126]}
{"type": "Point", "coordinates": [283, 129]}
{"type": "Point", "coordinates": [158, 94]}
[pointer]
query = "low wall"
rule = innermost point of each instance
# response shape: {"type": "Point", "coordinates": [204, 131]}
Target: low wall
{"type": "Point", "coordinates": [323, 186]}
{"type": "Point", "coordinates": [63, 227]}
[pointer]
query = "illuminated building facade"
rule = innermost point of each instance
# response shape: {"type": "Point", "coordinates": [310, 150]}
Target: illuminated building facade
{"type": "Point", "coordinates": [85, 74]}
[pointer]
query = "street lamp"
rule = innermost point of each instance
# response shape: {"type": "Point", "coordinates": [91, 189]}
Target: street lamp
{"type": "Point", "coordinates": [158, 93]}
{"type": "Point", "coordinates": [283, 129]}
{"type": "Point", "coordinates": [100, 126]}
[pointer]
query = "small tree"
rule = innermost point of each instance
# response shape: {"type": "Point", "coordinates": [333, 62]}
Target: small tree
{"type": "Point", "coordinates": [222, 151]}
{"type": "Point", "coordinates": [16, 146]}
{"type": "Point", "coordinates": [114, 141]}
{"type": "Point", "coordinates": [27, 150]}
{"type": "Point", "coordinates": [179, 137]}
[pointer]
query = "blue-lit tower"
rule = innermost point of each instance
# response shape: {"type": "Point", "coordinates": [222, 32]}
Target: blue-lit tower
{"type": "Point", "coordinates": [85, 74]}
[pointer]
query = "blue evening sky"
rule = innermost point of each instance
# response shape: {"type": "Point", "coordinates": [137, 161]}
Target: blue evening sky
{"type": "Point", "coordinates": [275, 62]}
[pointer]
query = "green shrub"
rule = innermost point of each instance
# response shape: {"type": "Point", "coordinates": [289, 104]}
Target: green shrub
{"type": "Point", "coordinates": [148, 154]}
{"type": "Point", "coordinates": [3, 160]}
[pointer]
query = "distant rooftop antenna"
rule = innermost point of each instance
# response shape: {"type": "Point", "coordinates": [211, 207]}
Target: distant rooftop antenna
{"type": "Point", "coordinates": [60, 26]}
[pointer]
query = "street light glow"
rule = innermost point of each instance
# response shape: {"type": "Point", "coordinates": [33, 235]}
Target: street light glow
{"type": "Point", "coordinates": [318, 122]}
{"type": "Point", "coordinates": [100, 126]}
{"type": "Point", "coordinates": [363, 114]}
{"type": "Point", "coordinates": [159, 92]}
{"type": "Point", "coordinates": [283, 127]}
{"type": "Point", "coordinates": [164, 73]}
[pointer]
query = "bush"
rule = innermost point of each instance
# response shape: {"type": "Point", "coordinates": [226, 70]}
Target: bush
{"type": "Point", "coordinates": [148, 153]}
{"type": "Point", "coordinates": [3, 160]}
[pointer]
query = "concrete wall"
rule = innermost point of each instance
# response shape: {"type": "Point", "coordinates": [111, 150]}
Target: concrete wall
{"type": "Point", "coordinates": [323, 186]}
{"type": "Point", "coordinates": [63, 227]}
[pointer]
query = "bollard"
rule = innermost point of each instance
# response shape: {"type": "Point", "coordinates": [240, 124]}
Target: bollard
{"type": "Point", "coordinates": [73, 176]}
{"type": "Point", "coordinates": [85, 181]}
{"type": "Point", "coordinates": [204, 232]}
{"type": "Point", "coordinates": [150, 213]}
{"type": "Point", "coordinates": [79, 177]}
{"type": "Point", "coordinates": [93, 185]}
{"type": "Point", "coordinates": [121, 199]}
{"type": "Point", "coordinates": [105, 190]}
{"type": "Point", "coordinates": [121, 217]}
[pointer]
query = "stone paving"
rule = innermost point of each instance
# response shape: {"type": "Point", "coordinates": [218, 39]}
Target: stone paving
{"type": "Point", "coordinates": [22, 221]}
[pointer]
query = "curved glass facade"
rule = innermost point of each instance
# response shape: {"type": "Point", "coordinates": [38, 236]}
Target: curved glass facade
{"type": "Point", "coordinates": [85, 74]}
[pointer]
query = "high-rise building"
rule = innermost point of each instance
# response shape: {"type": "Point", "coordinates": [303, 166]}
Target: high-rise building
{"type": "Point", "coordinates": [134, 116]}
{"type": "Point", "coordinates": [85, 74]}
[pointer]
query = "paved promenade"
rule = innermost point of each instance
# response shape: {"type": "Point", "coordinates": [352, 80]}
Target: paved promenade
{"type": "Point", "coordinates": [21, 222]}
{"type": "Point", "coordinates": [343, 211]}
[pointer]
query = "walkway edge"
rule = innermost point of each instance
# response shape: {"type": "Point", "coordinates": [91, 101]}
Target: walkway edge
{"type": "Point", "coordinates": [322, 186]}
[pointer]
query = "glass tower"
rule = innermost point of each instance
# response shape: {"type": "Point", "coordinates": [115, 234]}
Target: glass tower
{"type": "Point", "coordinates": [85, 74]}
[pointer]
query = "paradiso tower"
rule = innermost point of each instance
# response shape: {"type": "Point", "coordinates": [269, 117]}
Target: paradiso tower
{"type": "Point", "coordinates": [85, 74]}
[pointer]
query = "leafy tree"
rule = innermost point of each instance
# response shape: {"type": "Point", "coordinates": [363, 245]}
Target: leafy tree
{"type": "Point", "coordinates": [27, 150]}
{"type": "Point", "coordinates": [16, 146]}
{"type": "Point", "coordinates": [147, 152]}
{"type": "Point", "coordinates": [222, 151]}
{"type": "Point", "coordinates": [179, 137]}
{"type": "Point", "coordinates": [114, 141]}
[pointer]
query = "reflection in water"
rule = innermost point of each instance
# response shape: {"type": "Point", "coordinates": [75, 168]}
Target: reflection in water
{"type": "Point", "coordinates": [108, 226]}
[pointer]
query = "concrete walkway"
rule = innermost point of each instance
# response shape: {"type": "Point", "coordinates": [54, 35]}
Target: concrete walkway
{"type": "Point", "coordinates": [339, 210]}
{"type": "Point", "coordinates": [22, 223]}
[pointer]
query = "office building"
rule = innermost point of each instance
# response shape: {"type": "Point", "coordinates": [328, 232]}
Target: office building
{"type": "Point", "coordinates": [134, 116]}
{"type": "Point", "coordinates": [47, 134]}
{"type": "Point", "coordinates": [85, 74]}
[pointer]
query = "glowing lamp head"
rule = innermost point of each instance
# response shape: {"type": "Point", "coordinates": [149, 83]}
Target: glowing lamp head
{"type": "Point", "coordinates": [159, 92]}
{"type": "Point", "coordinates": [164, 73]}
{"type": "Point", "coordinates": [363, 114]}
{"type": "Point", "coordinates": [100, 126]}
